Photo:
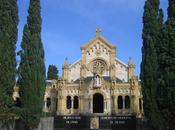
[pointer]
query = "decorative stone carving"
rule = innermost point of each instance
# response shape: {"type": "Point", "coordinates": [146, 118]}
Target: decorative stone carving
{"type": "Point", "coordinates": [99, 67]}
{"type": "Point", "coordinates": [16, 93]}
{"type": "Point", "coordinates": [98, 71]}
{"type": "Point", "coordinates": [98, 52]}
{"type": "Point", "coordinates": [132, 83]}
{"type": "Point", "coordinates": [112, 67]}
{"type": "Point", "coordinates": [94, 123]}
{"type": "Point", "coordinates": [97, 81]}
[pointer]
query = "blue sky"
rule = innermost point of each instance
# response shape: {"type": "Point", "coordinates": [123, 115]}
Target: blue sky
{"type": "Point", "coordinates": [68, 24]}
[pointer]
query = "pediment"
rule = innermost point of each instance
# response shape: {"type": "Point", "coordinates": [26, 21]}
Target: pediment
{"type": "Point", "coordinates": [98, 41]}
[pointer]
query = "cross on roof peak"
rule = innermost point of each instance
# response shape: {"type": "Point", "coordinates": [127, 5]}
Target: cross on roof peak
{"type": "Point", "coordinates": [98, 31]}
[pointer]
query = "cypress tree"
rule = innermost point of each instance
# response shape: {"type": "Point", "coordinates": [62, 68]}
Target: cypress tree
{"type": "Point", "coordinates": [32, 68]}
{"type": "Point", "coordinates": [8, 38]}
{"type": "Point", "coordinates": [171, 75]}
{"type": "Point", "coordinates": [149, 65]}
{"type": "Point", "coordinates": [52, 72]}
{"type": "Point", "coordinates": [168, 69]}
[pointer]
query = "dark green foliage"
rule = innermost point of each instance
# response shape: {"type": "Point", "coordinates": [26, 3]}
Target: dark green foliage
{"type": "Point", "coordinates": [162, 91]}
{"type": "Point", "coordinates": [8, 38]}
{"type": "Point", "coordinates": [32, 68]}
{"type": "Point", "coordinates": [149, 65]}
{"type": "Point", "coordinates": [167, 69]}
{"type": "Point", "coordinates": [52, 72]}
{"type": "Point", "coordinates": [161, 36]}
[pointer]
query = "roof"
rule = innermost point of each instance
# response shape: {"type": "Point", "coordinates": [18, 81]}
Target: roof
{"type": "Point", "coordinates": [106, 78]}
{"type": "Point", "coordinates": [87, 79]}
{"type": "Point", "coordinates": [77, 61]}
{"type": "Point", "coordinates": [48, 83]}
{"type": "Point", "coordinates": [101, 38]}
{"type": "Point", "coordinates": [121, 62]}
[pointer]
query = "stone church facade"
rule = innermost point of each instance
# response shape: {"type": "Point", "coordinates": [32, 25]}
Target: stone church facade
{"type": "Point", "coordinates": [96, 84]}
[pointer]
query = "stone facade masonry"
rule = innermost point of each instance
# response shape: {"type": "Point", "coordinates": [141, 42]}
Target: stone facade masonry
{"type": "Point", "coordinates": [98, 83]}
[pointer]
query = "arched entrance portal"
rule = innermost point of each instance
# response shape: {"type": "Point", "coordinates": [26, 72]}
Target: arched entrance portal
{"type": "Point", "coordinates": [98, 103]}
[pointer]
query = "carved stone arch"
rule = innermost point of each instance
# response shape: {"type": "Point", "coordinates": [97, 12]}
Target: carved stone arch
{"type": "Point", "coordinates": [98, 91]}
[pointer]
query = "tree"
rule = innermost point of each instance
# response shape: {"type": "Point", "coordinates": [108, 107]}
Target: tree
{"type": "Point", "coordinates": [32, 68]}
{"type": "Point", "coordinates": [167, 69]}
{"type": "Point", "coordinates": [171, 68]}
{"type": "Point", "coordinates": [52, 72]}
{"type": "Point", "coordinates": [149, 65]}
{"type": "Point", "coordinates": [8, 38]}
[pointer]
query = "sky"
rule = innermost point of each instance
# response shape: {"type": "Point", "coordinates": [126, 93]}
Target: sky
{"type": "Point", "coordinates": [68, 24]}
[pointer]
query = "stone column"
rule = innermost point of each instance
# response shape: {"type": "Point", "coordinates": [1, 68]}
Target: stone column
{"type": "Point", "coordinates": [108, 105]}
{"type": "Point", "coordinates": [116, 104]}
{"type": "Point", "coordinates": [137, 104]}
{"type": "Point", "coordinates": [72, 105]}
{"type": "Point", "coordinates": [58, 101]}
{"type": "Point", "coordinates": [91, 105]}
{"type": "Point", "coordinates": [130, 110]}
{"type": "Point", "coordinates": [113, 104]}
{"type": "Point", "coordinates": [133, 104]}
{"type": "Point", "coordinates": [80, 105]}
{"type": "Point", "coordinates": [88, 110]}
{"type": "Point", "coordinates": [123, 104]}
{"type": "Point", "coordinates": [45, 106]}
{"type": "Point", "coordinates": [60, 105]}
{"type": "Point", "coordinates": [104, 105]}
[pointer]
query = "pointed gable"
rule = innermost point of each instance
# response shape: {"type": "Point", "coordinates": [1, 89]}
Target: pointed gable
{"type": "Point", "coordinates": [98, 40]}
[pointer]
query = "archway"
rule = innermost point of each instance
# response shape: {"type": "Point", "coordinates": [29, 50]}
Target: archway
{"type": "Point", "coordinates": [98, 103]}
{"type": "Point", "coordinates": [76, 102]}
{"type": "Point", "coordinates": [127, 102]}
{"type": "Point", "coordinates": [68, 102]}
{"type": "Point", "coordinates": [120, 102]}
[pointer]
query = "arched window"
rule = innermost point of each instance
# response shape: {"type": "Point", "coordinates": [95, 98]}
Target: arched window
{"type": "Point", "coordinates": [140, 104]}
{"type": "Point", "coordinates": [18, 102]}
{"type": "Point", "coordinates": [127, 102]}
{"type": "Point", "coordinates": [120, 102]}
{"type": "Point", "coordinates": [68, 102]}
{"type": "Point", "coordinates": [76, 102]}
{"type": "Point", "coordinates": [48, 102]}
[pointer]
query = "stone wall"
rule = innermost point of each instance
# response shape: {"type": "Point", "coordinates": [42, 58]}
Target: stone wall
{"type": "Point", "coordinates": [46, 124]}
{"type": "Point", "coordinates": [7, 125]}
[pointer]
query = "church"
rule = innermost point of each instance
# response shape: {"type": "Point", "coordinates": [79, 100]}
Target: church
{"type": "Point", "coordinates": [96, 84]}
